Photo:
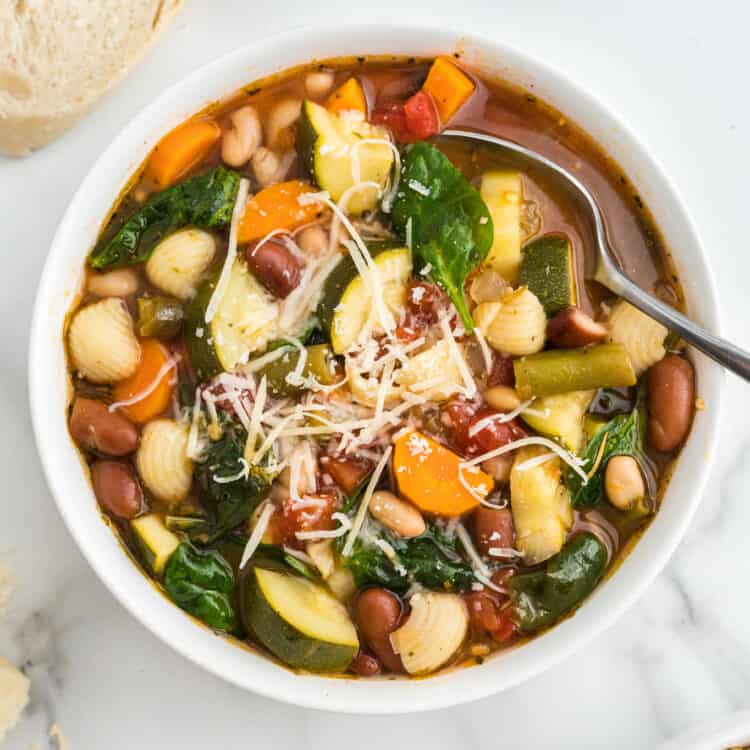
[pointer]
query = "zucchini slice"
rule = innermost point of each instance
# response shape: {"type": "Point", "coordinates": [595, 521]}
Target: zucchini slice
{"type": "Point", "coordinates": [298, 620]}
{"type": "Point", "coordinates": [547, 270]}
{"type": "Point", "coordinates": [502, 192]}
{"type": "Point", "coordinates": [435, 630]}
{"type": "Point", "coordinates": [561, 417]}
{"type": "Point", "coordinates": [541, 506]}
{"type": "Point", "coordinates": [327, 144]}
{"type": "Point", "coordinates": [156, 541]}
{"type": "Point", "coordinates": [244, 323]}
{"type": "Point", "coordinates": [346, 301]}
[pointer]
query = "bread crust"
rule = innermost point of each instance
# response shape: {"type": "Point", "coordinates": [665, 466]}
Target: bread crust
{"type": "Point", "coordinates": [47, 81]}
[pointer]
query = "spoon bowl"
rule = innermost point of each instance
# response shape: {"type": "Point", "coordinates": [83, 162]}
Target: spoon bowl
{"type": "Point", "coordinates": [607, 269]}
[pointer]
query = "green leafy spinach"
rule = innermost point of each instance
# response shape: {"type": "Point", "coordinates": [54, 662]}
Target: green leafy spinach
{"type": "Point", "coordinates": [449, 225]}
{"type": "Point", "coordinates": [205, 200]}
{"type": "Point", "coordinates": [431, 559]}
{"type": "Point", "coordinates": [622, 436]}
{"type": "Point", "coordinates": [542, 597]}
{"type": "Point", "coordinates": [202, 583]}
{"type": "Point", "coordinates": [229, 503]}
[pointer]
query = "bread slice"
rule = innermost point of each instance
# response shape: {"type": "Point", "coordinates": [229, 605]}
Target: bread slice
{"type": "Point", "coordinates": [58, 57]}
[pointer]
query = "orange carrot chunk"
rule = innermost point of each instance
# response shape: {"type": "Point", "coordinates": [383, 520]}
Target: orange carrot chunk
{"type": "Point", "coordinates": [182, 149]}
{"type": "Point", "coordinates": [151, 384]}
{"type": "Point", "coordinates": [448, 86]}
{"type": "Point", "coordinates": [276, 207]}
{"type": "Point", "coordinates": [348, 96]}
{"type": "Point", "coordinates": [427, 474]}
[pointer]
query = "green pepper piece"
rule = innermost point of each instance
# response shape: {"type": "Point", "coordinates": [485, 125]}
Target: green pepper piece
{"type": "Point", "coordinates": [319, 364]}
{"type": "Point", "coordinates": [205, 200]}
{"type": "Point", "coordinates": [544, 596]}
{"type": "Point", "coordinates": [160, 317]}
{"type": "Point", "coordinates": [201, 582]}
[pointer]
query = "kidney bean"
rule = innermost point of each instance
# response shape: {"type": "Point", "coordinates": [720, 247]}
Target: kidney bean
{"type": "Point", "coordinates": [96, 428]}
{"type": "Point", "coordinates": [377, 613]}
{"type": "Point", "coordinates": [572, 328]}
{"type": "Point", "coordinates": [364, 665]}
{"type": "Point", "coordinates": [117, 488]}
{"type": "Point", "coordinates": [275, 266]}
{"type": "Point", "coordinates": [492, 528]}
{"type": "Point", "coordinates": [671, 402]}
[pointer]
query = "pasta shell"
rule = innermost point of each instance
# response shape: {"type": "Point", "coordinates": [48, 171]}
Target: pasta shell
{"type": "Point", "coordinates": [177, 263]}
{"type": "Point", "coordinates": [514, 325]}
{"type": "Point", "coordinates": [102, 343]}
{"type": "Point", "coordinates": [432, 373]}
{"type": "Point", "coordinates": [642, 337]}
{"type": "Point", "coordinates": [163, 462]}
{"type": "Point", "coordinates": [435, 630]}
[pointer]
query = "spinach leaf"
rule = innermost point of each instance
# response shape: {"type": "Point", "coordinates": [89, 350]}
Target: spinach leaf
{"type": "Point", "coordinates": [622, 436]}
{"type": "Point", "coordinates": [431, 559]}
{"type": "Point", "coordinates": [202, 583]}
{"type": "Point", "coordinates": [448, 222]}
{"type": "Point", "coordinates": [205, 201]}
{"type": "Point", "coordinates": [544, 596]}
{"type": "Point", "coordinates": [229, 503]}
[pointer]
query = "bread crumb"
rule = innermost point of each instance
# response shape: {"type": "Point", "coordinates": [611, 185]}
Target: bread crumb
{"type": "Point", "coordinates": [14, 695]}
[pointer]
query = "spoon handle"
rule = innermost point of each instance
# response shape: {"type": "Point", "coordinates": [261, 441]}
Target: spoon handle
{"type": "Point", "coordinates": [720, 350]}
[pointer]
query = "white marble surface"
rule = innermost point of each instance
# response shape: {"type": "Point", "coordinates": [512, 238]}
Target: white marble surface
{"type": "Point", "coordinates": [677, 73]}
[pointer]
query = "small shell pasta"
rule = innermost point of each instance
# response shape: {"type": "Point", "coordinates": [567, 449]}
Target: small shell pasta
{"type": "Point", "coordinates": [516, 324]}
{"type": "Point", "coordinates": [432, 373]}
{"type": "Point", "coordinates": [162, 460]}
{"type": "Point", "coordinates": [102, 342]}
{"type": "Point", "coordinates": [178, 262]}
{"type": "Point", "coordinates": [642, 337]}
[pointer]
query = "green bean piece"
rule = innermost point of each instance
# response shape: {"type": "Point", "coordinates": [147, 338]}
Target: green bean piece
{"type": "Point", "coordinates": [564, 370]}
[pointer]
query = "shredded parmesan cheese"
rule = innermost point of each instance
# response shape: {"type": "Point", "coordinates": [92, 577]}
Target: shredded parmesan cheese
{"type": "Point", "coordinates": [258, 532]}
{"type": "Point", "coordinates": [344, 526]}
{"type": "Point", "coordinates": [169, 365]}
{"type": "Point", "coordinates": [365, 502]}
{"type": "Point", "coordinates": [456, 354]}
{"type": "Point", "coordinates": [223, 282]}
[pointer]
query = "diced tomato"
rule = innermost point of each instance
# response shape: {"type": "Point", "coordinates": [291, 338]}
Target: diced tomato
{"type": "Point", "coordinates": [506, 628]}
{"type": "Point", "coordinates": [421, 115]}
{"type": "Point", "coordinates": [347, 472]}
{"type": "Point", "coordinates": [502, 372]}
{"type": "Point", "coordinates": [483, 617]}
{"type": "Point", "coordinates": [311, 513]}
{"type": "Point", "coordinates": [393, 117]}
{"type": "Point", "coordinates": [424, 304]}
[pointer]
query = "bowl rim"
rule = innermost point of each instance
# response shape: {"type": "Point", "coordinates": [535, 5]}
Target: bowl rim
{"type": "Point", "coordinates": [325, 693]}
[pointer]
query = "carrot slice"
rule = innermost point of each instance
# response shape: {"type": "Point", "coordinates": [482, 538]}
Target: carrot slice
{"type": "Point", "coordinates": [276, 207]}
{"type": "Point", "coordinates": [348, 96]}
{"type": "Point", "coordinates": [449, 87]}
{"type": "Point", "coordinates": [427, 474]}
{"type": "Point", "coordinates": [180, 150]}
{"type": "Point", "coordinates": [152, 380]}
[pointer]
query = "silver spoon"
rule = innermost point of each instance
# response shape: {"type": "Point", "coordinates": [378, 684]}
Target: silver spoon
{"type": "Point", "coordinates": [608, 271]}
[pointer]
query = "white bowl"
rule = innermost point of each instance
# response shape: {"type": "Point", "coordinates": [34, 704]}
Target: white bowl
{"type": "Point", "coordinates": [717, 734]}
{"type": "Point", "coordinates": [48, 389]}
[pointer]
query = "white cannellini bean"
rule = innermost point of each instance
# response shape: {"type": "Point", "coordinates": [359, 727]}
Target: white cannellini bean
{"type": "Point", "coordinates": [623, 482]}
{"type": "Point", "coordinates": [245, 134]}
{"type": "Point", "coordinates": [400, 517]}
{"type": "Point", "coordinates": [102, 341]}
{"type": "Point", "coordinates": [265, 166]}
{"type": "Point", "coordinates": [319, 83]}
{"type": "Point", "coordinates": [280, 119]}
{"type": "Point", "coordinates": [122, 282]}
{"type": "Point", "coordinates": [502, 398]}
{"type": "Point", "coordinates": [313, 241]}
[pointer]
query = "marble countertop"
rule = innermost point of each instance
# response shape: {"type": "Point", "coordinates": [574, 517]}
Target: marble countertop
{"type": "Point", "coordinates": [675, 71]}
